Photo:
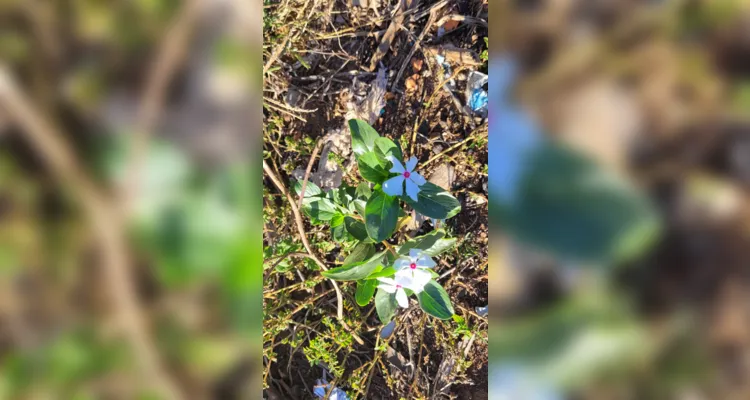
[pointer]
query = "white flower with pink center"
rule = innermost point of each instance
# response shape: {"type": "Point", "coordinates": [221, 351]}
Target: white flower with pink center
{"type": "Point", "coordinates": [397, 286]}
{"type": "Point", "coordinates": [406, 178]}
{"type": "Point", "coordinates": [416, 267]}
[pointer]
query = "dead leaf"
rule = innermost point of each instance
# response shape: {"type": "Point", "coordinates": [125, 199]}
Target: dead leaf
{"type": "Point", "coordinates": [450, 25]}
{"type": "Point", "coordinates": [416, 64]}
{"type": "Point", "coordinates": [412, 83]}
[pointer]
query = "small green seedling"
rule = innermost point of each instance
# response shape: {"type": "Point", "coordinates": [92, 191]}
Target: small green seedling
{"type": "Point", "coordinates": [369, 214]}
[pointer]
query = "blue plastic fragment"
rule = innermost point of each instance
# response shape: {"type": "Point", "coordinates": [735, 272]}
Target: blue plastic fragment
{"type": "Point", "coordinates": [479, 100]}
{"type": "Point", "coordinates": [322, 387]}
{"type": "Point", "coordinates": [482, 311]}
{"type": "Point", "coordinates": [388, 330]}
{"type": "Point", "coordinates": [477, 97]}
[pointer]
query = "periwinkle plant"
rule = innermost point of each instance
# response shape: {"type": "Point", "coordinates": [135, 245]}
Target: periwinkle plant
{"type": "Point", "coordinates": [369, 214]}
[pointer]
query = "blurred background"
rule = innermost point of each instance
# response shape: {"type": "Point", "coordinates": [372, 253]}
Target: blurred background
{"type": "Point", "coordinates": [130, 226]}
{"type": "Point", "coordinates": [130, 220]}
{"type": "Point", "coordinates": [620, 251]}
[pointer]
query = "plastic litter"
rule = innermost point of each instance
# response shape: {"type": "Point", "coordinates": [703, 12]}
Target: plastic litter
{"type": "Point", "coordinates": [367, 99]}
{"type": "Point", "coordinates": [477, 98]}
{"type": "Point", "coordinates": [322, 387]}
{"type": "Point", "coordinates": [482, 311]}
{"type": "Point", "coordinates": [441, 31]}
{"type": "Point", "coordinates": [447, 72]}
{"type": "Point", "coordinates": [388, 330]}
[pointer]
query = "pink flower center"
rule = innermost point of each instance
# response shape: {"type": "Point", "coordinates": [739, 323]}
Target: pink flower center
{"type": "Point", "coordinates": [407, 174]}
{"type": "Point", "coordinates": [413, 266]}
{"type": "Point", "coordinates": [398, 286]}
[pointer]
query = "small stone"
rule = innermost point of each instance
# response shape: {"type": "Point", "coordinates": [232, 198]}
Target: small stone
{"type": "Point", "coordinates": [478, 198]}
{"type": "Point", "coordinates": [396, 360]}
{"type": "Point", "coordinates": [444, 176]}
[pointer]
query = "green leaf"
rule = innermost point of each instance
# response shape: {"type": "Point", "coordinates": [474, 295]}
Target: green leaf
{"type": "Point", "coordinates": [359, 206]}
{"type": "Point", "coordinates": [363, 190]}
{"type": "Point", "coordinates": [356, 228]}
{"type": "Point", "coordinates": [311, 189]}
{"type": "Point", "coordinates": [385, 305]}
{"type": "Point", "coordinates": [365, 291]}
{"type": "Point", "coordinates": [319, 208]}
{"type": "Point", "coordinates": [356, 271]}
{"type": "Point", "coordinates": [342, 196]}
{"type": "Point", "coordinates": [568, 206]}
{"type": "Point", "coordinates": [432, 244]}
{"type": "Point", "coordinates": [390, 258]}
{"type": "Point", "coordinates": [363, 136]}
{"type": "Point", "coordinates": [434, 301]}
{"type": "Point", "coordinates": [385, 147]}
{"type": "Point", "coordinates": [338, 219]}
{"type": "Point", "coordinates": [381, 216]}
{"type": "Point", "coordinates": [339, 233]}
{"type": "Point", "coordinates": [372, 167]}
{"type": "Point", "coordinates": [384, 273]}
{"type": "Point", "coordinates": [553, 340]}
{"type": "Point", "coordinates": [434, 202]}
{"type": "Point", "coordinates": [362, 251]}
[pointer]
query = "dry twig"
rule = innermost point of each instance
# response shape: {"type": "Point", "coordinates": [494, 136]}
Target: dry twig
{"type": "Point", "coordinates": [308, 170]}
{"type": "Point", "coordinates": [303, 236]}
{"type": "Point", "coordinates": [414, 48]}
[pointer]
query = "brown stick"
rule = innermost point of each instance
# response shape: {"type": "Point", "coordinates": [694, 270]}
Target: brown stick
{"type": "Point", "coordinates": [303, 234]}
{"type": "Point", "coordinates": [413, 50]}
{"type": "Point", "coordinates": [103, 217]}
{"type": "Point", "coordinates": [277, 52]}
{"type": "Point", "coordinates": [390, 33]}
{"type": "Point", "coordinates": [307, 172]}
{"type": "Point", "coordinates": [472, 136]}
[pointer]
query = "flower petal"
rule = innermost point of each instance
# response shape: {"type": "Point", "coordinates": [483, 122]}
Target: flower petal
{"type": "Point", "coordinates": [411, 163]}
{"type": "Point", "coordinates": [415, 253]}
{"type": "Point", "coordinates": [388, 281]}
{"type": "Point", "coordinates": [425, 262]}
{"type": "Point", "coordinates": [394, 186]}
{"type": "Point", "coordinates": [397, 167]}
{"type": "Point", "coordinates": [404, 278]}
{"type": "Point", "coordinates": [412, 189]}
{"type": "Point", "coordinates": [401, 263]}
{"type": "Point", "coordinates": [402, 299]}
{"type": "Point", "coordinates": [421, 278]}
{"type": "Point", "coordinates": [417, 178]}
{"type": "Point", "coordinates": [387, 288]}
